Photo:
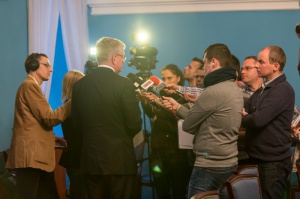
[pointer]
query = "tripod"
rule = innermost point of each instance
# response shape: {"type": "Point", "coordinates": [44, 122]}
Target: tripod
{"type": "Point", "coordinates": [147, 180]}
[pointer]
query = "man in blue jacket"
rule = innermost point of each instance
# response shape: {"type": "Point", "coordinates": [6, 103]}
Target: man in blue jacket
{"type": "Point", "coordinates": [267, 116]}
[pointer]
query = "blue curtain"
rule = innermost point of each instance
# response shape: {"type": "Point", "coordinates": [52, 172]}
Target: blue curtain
{"type": "Point", "coordinates": [57, 76]}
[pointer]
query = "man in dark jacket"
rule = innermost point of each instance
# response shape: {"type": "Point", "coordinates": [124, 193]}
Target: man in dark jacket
{"type": "Point", "coordinates": [267, 116]}
{"type": "Point", "coordinates": [106, 115]}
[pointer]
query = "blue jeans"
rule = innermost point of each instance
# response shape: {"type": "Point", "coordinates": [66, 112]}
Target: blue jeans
{"type": "Point", "coordinates": [273, 177]}
{"type": "Point", "coordinates": [207, 179]}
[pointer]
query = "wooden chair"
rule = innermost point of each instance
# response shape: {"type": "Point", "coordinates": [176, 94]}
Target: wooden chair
{"type": "Point", "coordinates": [298, 171]}
{"type": "Point", "coordinates": [60, 173]}
{"type": "Point", "coordinates": [247, 169]}
{"type": "Point", "coordinates": [207, 195]}
{"type": "Point", "coordinates": [244, 186]}
{"type": "Point", "coordinates": [7, 178]}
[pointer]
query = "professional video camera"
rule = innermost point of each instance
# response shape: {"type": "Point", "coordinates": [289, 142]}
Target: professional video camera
{"type": "Point", "coordinates": [90, 65]}
{"type": "Point", "coordinates": [144, 59]}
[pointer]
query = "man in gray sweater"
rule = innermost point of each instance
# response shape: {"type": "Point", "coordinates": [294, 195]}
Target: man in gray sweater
{"type": "Point", "coordinates": [215, 120]}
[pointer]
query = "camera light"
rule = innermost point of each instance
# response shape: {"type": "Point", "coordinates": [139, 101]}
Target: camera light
{"type": "Point", "coordinates": [141, 37]}
{"type": "Point", "coordinates": [93, 51]}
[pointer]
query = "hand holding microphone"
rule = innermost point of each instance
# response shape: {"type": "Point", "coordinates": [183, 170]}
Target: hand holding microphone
{"type": "Point", "coordinates": [172, 88]}
{"type": "Point", "coordinates": [168, 88]}
{"type": "Point", "coordinates": [190, 97]}
{"type": "Point", "coordinates": [139, 83]}
{"type": "Point", "coordinates": [170, 104]}
{"type": "Point", "coordinates": [150, 97]}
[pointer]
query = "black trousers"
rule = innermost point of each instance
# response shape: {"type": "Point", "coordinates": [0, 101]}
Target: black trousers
{"type": "Point", "coordinates": [171, 172]}
{"type": "Point", "coordinates": [35, 184]}
{"type": "Point", "coordinates": [273, 177]}
{"type": "Point", "coordinates": [76, 187]}
{"type": "Point", "coordinates": [110, 186]}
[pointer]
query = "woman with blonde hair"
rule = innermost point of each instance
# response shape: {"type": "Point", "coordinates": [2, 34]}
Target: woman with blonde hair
{"type": "Point", "coordinates": [70, 158]}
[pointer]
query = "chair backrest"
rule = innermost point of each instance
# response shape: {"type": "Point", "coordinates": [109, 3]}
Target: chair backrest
{"type": "Point", "coordinates": [207, 195]}
{"type": "Point", "coordinates": [3, 159]}
{"type": "Point", "coordinates": [244, 186]}
{"type": "Point", "coordinates": [247, 169]}
{"type": "Point", "coordinates": [298, 171]}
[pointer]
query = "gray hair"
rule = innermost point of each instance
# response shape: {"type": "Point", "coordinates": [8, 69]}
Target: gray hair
{"type": "Point", "coordinates": [106, 46]}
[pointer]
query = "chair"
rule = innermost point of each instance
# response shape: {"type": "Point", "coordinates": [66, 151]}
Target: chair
{"type": "Point", "coordinates": [7, 178]}
{"type": "Point", "coordinates": [298, 171]}
{"type": "Point", "coordinates": [294, 189]}
{"type": "Point", "coordinates": [247, 169]}
{"type": "Point", "coordinates": [243, 186]}
{"type": "Point", "coordinates": [207, 195]}
{"type": "Point", "coordinates": [60, 173]}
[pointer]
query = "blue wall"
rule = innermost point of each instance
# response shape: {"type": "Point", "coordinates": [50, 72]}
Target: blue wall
{"type": "Point", "coordinates": [13, 52]}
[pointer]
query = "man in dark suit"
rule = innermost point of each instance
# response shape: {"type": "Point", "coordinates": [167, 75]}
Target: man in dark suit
{"type": "Point", "coordinates": [106, 115]}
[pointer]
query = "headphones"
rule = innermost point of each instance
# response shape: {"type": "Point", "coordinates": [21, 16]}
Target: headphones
{"type": "Point", "coordinates": [34, 64]}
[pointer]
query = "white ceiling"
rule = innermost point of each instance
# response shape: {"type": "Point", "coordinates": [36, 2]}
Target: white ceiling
{"type": "Point", "coordinates": [105, 7]}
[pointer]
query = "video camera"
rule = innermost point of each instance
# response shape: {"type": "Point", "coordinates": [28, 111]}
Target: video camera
{"type": "Point", "coordinates": [144, 59]}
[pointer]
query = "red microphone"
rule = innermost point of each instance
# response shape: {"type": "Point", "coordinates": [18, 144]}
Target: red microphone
{"type": "Point", "coordinates": [158, 83]}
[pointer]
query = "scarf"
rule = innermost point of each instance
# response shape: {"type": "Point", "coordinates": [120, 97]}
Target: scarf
{"type": "Point", "coordinates": [219, 75]}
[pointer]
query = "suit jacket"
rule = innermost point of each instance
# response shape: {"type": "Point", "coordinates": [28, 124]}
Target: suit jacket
{"type": "Point", "coordinates": [106, 115]}
{"type": "Point", "coordinates": [33, 141]}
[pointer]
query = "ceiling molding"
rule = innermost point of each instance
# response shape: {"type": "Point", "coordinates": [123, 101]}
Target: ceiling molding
{"type": "Point", "coordinates": [107, 7]}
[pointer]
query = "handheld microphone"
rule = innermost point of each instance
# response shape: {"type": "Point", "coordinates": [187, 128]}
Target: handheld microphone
{"type": "Point", "coordinates": [139, 83]}
{"type": "Point", "coordinates": [158, 83]}
{"type": "Point", "coordinates": [136, 80]}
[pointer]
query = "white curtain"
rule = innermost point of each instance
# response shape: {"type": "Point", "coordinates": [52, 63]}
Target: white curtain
{"type": "Point", "coordinates": [43, 18]}
{"type": "Point", "coordinates": [73, 16]}
{"type": "Point", "coordinates": [42, 29]}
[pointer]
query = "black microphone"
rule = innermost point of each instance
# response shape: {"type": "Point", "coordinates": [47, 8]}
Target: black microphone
{"type": "Point", "coordinates": [139, 83]}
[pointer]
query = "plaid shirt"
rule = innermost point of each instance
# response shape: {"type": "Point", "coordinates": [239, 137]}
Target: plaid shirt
{"type": "Point", "coordinates": [190, 90]}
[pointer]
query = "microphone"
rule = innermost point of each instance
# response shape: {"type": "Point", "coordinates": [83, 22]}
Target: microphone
{"type": "Point", "coordinates": [158, 83]}
{"type": "Point", "coordinates": [135, 80]}
{"type": "Point", "coordinates": [139, 83]}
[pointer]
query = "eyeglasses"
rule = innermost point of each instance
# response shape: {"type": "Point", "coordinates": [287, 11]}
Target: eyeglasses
{"type": "Point", "coordinates": [198, 76]}
{"type": "Point", "coordinates": [46, 64]}
{"type": "Point", "coordinates": [247, 68]}
{"type": "Point", "coordinates": [123, 56]}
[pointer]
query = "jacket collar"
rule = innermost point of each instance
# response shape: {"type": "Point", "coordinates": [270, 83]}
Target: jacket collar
{"type": "Point", "coordinates": [275, 81]}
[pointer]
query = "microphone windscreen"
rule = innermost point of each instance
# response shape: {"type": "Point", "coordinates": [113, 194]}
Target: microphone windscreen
{"type": "Point", "coordinates": [155, 80]}
{"type": "Point", "coordinates": [131, 76]}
